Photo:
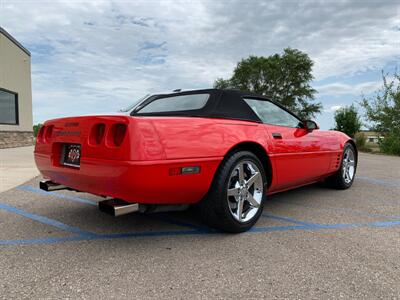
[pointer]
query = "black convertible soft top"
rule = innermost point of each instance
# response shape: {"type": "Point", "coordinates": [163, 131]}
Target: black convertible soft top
{"type": "Point", "coordinates": [227, 104]}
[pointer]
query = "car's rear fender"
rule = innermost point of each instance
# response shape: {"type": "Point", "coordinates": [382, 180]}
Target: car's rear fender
{"type": "Point", "coordinates": [260, 152]}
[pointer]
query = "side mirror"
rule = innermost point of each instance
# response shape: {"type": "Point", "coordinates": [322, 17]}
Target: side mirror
{"type": "Point", "coordinates": [310, 125]}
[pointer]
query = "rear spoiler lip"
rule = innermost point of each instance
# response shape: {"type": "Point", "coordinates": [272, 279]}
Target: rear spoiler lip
{"type": "Point", "coordinates": [70, 118]}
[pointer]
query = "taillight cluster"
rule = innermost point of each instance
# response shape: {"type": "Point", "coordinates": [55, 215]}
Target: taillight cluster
{"type": "Point", "coordinates": [45, 134]}
{"type": "Point", "coordinates": [97, 134]}
{"type": "Point", "coordinates": [113, 135]}
{"type": "Point", "coordinates": [118, 133]}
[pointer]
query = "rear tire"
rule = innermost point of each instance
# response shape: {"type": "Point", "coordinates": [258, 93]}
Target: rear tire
{"type": "Point", "coordinates": [344, 177]}
{"type": "Point", "coordinates": [235, 200]}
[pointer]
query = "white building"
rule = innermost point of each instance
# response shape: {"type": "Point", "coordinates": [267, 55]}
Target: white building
{"type": "Point", "coordinates": [15, 93]}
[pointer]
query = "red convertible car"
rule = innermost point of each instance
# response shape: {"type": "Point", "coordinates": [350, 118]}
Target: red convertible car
{"type": "Point", "coordinates": [223, 150]}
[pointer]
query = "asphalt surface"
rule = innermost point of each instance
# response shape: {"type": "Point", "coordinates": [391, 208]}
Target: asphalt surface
{"type": "Point", "coordinates": [311, 243]}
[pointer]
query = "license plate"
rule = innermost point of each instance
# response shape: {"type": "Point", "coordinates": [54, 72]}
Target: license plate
{"type": "Point", "coordinates": [71, 155]}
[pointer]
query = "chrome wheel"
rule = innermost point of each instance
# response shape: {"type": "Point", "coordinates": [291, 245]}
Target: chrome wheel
{"type": "Point", "coordinates": [245, 191]}
{"type": "Point", "coordinates": [348, 165]}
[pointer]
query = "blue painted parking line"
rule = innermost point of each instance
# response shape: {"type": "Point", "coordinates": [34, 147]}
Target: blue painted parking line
{"type": "Point", "coordinates": [286, 219]}
{"type": "Point", "coordinates": [334, 226]}
{"type": "Point", "coordinates": [40, 241]}
{"type": "Point", "coordinates": [194, 232]}
{"type": "Point", "coordinates": [85, 235]}
{"type": "Point", "coordinates": [308, 225]}
{"type": "Point", "coordinates": [193, 229]}
{"type": "Point", "coordinates": [32, 189]}
{"type": "Point", "coordinates": [183, 224]}
{"type": "Point", "coordinates": [85, 201]}
{"type": "Point", "coordinates": [44, 220]}
{"type": "Point", "coordinates": [386, 224]}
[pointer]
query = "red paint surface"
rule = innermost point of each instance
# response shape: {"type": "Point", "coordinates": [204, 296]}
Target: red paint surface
{"type": "Point", "coordinates": [139, 169]}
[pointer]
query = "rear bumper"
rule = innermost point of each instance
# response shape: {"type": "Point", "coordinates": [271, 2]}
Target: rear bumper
{"type": "Point", "coordinates": [147, 182]}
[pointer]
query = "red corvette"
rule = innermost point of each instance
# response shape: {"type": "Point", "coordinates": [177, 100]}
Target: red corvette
{"type": "Point", "coordinates": [224, 150]}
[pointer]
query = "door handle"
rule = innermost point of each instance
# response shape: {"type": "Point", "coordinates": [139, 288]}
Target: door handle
{"type": "Point", "coordinates": [276, 135]}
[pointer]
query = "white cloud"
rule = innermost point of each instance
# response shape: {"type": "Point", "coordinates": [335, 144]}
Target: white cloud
{"type": "Point", "coordinates": [333, 108]}
{"type": "Point", "coordinates": [340, 88]}
{"type": "Point", "coordinates": [95, 55]}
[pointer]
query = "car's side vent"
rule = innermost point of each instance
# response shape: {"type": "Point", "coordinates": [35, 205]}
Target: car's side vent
{"type": "Point", "coordinates": [97, 134]}
{"type": "Point", "coordinates": [116, 135]}
{"type": "Point", "coordinates": [338, 161]}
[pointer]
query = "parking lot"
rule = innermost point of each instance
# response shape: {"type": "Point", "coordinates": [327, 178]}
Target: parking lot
{"type": "Point", "coordinates": [311, 242]}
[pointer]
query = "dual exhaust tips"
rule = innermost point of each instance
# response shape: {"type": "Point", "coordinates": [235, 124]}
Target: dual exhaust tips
{"type": "Point", "coordinates": [117, 207]}
{"type": "Point", "coordinates": [114, 207]}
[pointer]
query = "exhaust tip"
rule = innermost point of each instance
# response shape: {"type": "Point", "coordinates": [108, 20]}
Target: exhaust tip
{"type": "Point", "coordinates": [117, 207]}
{"type": "Point", "coordinates": [48, 186]}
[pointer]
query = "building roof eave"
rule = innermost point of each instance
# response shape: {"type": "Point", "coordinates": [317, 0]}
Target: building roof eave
{"type": "Point", "coordinates": [12, 39]}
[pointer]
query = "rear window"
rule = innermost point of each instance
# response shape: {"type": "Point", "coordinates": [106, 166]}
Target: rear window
{"type": "Point", "coordinates": [176, 103]}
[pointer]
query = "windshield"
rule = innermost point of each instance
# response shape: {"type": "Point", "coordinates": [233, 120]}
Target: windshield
{"type": "Point", "coordinates": [134, 104]}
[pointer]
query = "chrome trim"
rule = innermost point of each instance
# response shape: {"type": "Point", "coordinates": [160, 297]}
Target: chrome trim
{"type": "Point", "coordinates": [71, 165]}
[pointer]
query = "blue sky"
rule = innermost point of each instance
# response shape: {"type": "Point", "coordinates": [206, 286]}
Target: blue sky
{"type": "Point", "coordinates": [98, 56]}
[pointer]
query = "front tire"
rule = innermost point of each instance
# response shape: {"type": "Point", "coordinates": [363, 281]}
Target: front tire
{"type": "Point", "coordinates": [236, 198]}
{"type": "Point", "coordinates": [344, 177]}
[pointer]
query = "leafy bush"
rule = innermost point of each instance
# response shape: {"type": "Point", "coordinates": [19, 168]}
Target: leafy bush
{"type": "Point", "coordinates": [390, 144]}
{"type": "Point", "coordinates": [361, 142]}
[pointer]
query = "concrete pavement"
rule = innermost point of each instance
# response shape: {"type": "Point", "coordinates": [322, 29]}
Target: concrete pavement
{"type": "Point", "coordinates": [16, 166]}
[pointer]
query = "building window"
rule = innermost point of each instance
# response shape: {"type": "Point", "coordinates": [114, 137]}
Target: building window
{"type": "Point", "coordinates": [8, 108]}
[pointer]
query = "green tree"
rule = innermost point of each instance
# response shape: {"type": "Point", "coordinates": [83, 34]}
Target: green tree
{"type": "Point", "coordinates": [347, 120]}
{"type": "Point", "coordinates": [284, 78]}
{"type": "Point", "coordinates": [36, 129]}
{"type": "Point", "coordinates": [383, 112]}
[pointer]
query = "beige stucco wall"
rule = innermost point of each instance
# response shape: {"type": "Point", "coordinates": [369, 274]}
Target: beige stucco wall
{"type": "Point", "coordinates": [15, 75]}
